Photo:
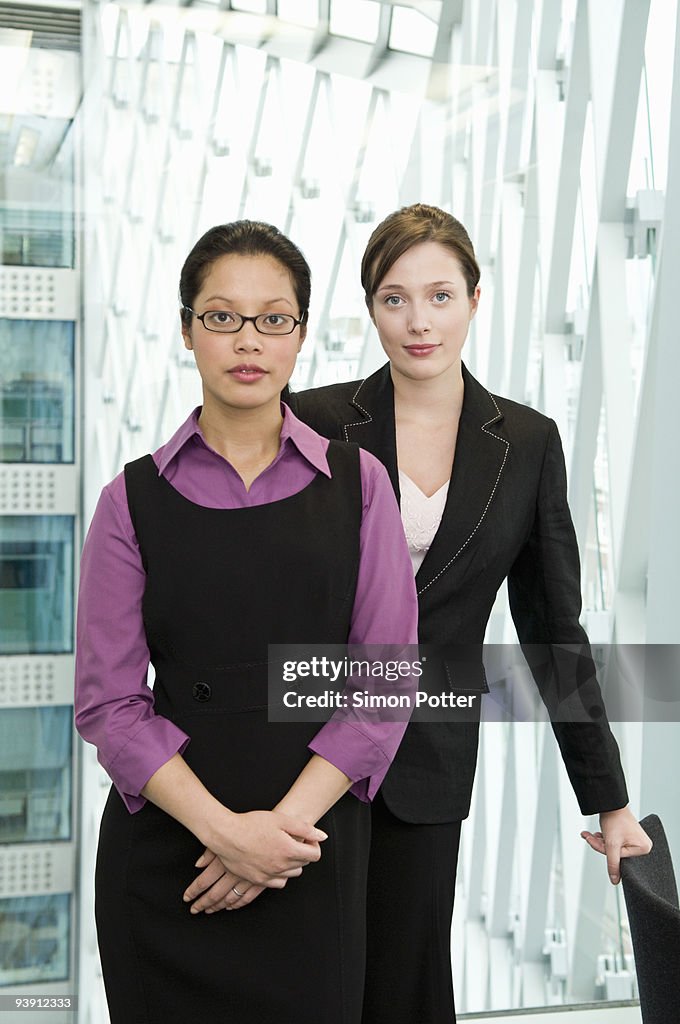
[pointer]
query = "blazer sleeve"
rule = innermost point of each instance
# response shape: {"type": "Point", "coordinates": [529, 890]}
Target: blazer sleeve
{"type": "Point", "coordinates": [544, 587]}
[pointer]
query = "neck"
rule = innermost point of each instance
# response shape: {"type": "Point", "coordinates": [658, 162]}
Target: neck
{"type": "Point", "coordinates": [236, 433]}
{"type": "Point", "coordinates": [433, 399]}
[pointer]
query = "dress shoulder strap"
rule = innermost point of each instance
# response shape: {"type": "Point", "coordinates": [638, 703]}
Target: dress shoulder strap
{"type": "Point", "coordinates": [141, 481]}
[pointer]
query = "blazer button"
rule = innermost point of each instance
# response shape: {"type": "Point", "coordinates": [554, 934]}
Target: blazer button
{"type": "Point", "coordinates": [202, 691]}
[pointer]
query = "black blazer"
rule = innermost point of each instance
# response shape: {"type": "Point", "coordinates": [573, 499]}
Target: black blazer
{"type": "Point", "coordinates": [506, 515]}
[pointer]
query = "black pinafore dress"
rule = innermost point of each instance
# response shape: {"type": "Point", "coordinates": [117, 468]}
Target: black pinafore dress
{"type": "Point", "coordinates": [221, 585]}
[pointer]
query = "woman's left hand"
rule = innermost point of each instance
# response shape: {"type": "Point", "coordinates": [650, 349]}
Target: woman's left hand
{"type": "Point", "coordinates": [218, 889]}
{"type": "Point", "coordinates": [318, 786]}
{"type": "Point", "coordinates": [621, 835]}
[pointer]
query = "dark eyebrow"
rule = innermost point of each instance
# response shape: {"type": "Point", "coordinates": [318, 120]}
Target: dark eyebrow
{"type": "Point", "coordinates": [397, 287]}
{"type": "Point", "coordinates": [229, 302]}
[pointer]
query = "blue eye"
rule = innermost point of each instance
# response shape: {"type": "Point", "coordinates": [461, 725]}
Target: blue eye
{"type": "Point", "coordinates": [442, 297]}
{"type": "Point", "coordinates": [393, 300]}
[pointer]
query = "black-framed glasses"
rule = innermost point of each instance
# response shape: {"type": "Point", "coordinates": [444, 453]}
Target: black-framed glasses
{"type": "Point", "coordinates": [224, 321]}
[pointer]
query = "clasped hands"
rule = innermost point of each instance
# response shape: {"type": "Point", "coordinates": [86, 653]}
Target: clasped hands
{"type": "Point", "coordinates": [249, 853]}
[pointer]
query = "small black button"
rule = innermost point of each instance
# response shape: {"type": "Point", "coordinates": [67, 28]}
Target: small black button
{"type": "Point", "coordinates": [202, 691]}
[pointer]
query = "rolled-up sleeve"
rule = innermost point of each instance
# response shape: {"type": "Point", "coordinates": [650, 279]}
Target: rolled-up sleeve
{"type": "Point", "coordinates": [114, 706]}
{"type": "Point", "coordinates": [385, 612]}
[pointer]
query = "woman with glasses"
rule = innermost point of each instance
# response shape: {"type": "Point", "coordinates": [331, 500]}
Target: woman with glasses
{"type": "Point", "coordinates": [246, 528]}
{"type": "Point", "coordinates": [483, 498]}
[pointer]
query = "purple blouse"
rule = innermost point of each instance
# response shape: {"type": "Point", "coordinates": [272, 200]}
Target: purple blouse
{"type": "Point", "coordinates": [114, 706]}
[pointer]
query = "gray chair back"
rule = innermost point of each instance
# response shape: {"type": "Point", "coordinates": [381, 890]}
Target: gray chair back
{"type": "Point", "coordinates": [651, 897]}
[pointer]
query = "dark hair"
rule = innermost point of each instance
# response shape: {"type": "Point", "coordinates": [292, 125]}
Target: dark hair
{"type": "Point", "coordinates": [243, 238]}
{"type": "Point", "coordinates": [410, 226]}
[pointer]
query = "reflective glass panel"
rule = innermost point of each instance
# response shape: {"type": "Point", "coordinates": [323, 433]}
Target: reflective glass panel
{"type": "Point", "coordinates": [36, 191]}
{"type": "Point", "coordinates": [35, 774]}
{"type": "Point", "coordinates": [357, 19]}
{"type": "Point", "coordinates": [299, 12]}
{"type": "Point", "coordinates": [412, 32]}
{"type": "Point", "coordinates": [34, 939]}
{"type": "Point", "coordinates": [36, 584]}
{"type": "Point", "coordinates": [252, 6]}
{"type": "Point", "coordinates": [661, 32]}
{"type": "Point", "coordinates": [36, 390]}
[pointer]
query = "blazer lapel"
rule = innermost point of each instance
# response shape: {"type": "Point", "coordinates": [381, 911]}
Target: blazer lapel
{"type": "Point", "coordinates": [480, 457]}
{"type": "Point", "coordinates": [373, 426]}
{"type": "Point", "coordinates": [481, 454]}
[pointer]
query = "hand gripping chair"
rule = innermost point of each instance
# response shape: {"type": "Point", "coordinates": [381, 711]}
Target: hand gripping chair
{"type": "Point", "coordinates": [654, 916]}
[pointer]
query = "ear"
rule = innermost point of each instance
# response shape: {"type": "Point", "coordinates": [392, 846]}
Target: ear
{"type": "Point", "coordinates": [474, 301]}
{"type": "Point", "coordinates": [186, 332]}
{"type": "Point", "coordinates": [303, 335]}
{"type": "Point", "coordinates": [369, 307]}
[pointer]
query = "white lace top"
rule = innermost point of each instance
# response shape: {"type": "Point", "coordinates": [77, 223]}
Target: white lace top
{"type": "Point", "coordinates": [421, 516]}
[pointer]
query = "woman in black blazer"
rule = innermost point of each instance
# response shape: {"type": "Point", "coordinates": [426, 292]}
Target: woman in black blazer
{"type": "Point", "coordinates": [505, 516]}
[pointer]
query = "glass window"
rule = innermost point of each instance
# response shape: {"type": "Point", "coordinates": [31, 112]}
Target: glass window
{"type": "Point", "coordinates": [358, 19]}
{"type": "Point", "coordinates": [252, 6]}
{"type": "Point", "coordinates": [639, 293]}
{"type": "Point", "coordinates": [36, 192]}
{"type": "Point", "coordinates": [566, 31]}
{"type": "Point", "coordinates": [658, 82]}
{"type": "Point", "coordinates": [36, 390]}
{"type": "Point", "coordinates": [36, 237]}
{"type": "Point", "coordinates": [35, 774]}
{"type": "Point", "coordinates": [299, 12]}
{"type": "Point", "coordinates": [34, 939]}
{"type": "Point", "coordinates": [36, 584]}
{"type": "Point", "coordinates": [413, 32]}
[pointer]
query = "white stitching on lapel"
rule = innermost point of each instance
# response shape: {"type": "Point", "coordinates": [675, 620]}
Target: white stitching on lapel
{"type": "Point", "coordinates": [486, 507]}
{"type": "Point", "coordinates": [360, 422]}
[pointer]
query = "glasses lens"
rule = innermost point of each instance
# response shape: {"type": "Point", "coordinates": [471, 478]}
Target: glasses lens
{"type": "Point", "coordinates": [222, 320]}
{"type": "Point", "coordinates": [275, 323]}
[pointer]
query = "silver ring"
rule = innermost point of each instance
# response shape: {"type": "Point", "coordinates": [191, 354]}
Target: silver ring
{"type": "Point", "coordinates": [234, 889]}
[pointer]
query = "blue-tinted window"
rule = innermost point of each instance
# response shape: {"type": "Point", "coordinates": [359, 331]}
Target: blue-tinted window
{"type": "Point", "coordinates": [36, 390]}
{"type": "Point", "coordinates": [36, 237]}
{"type": "Point", "coordinates": [35, 774]}
{"type": "Point", "coordinates": [34, 939]}
{"type": "Point", "coordinates": [36, 584]}
{"type": "Point", "coordinates": [36, 186]}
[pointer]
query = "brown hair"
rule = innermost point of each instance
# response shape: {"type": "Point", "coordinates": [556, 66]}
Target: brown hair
{"type": "Point", "coordinates": [243, 238]}
{"type": "Point", "coordinates": [410, 226]}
